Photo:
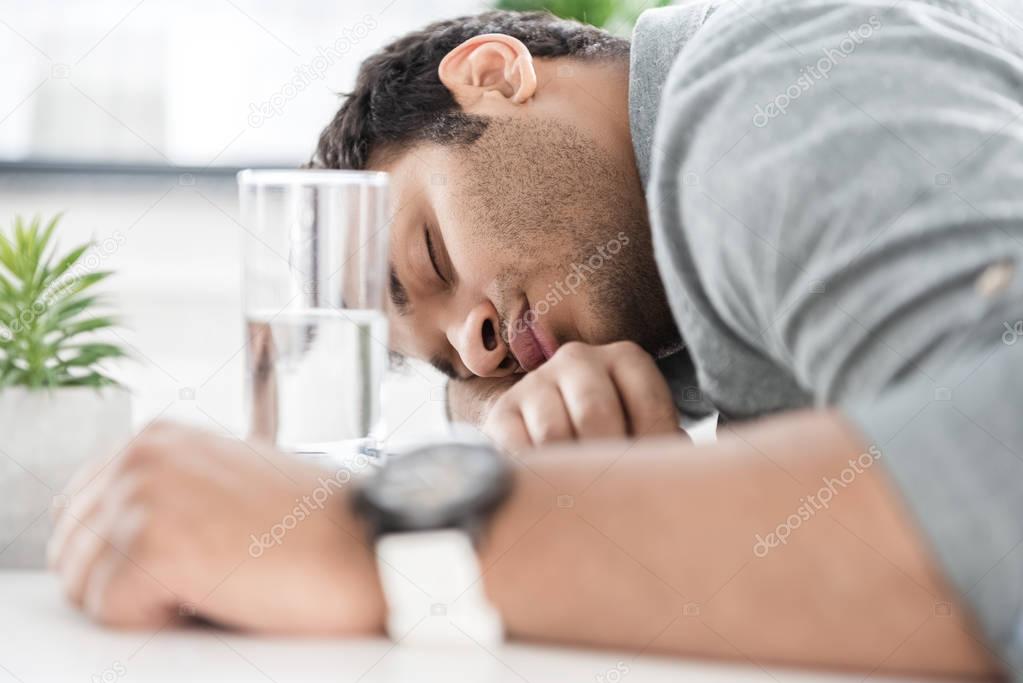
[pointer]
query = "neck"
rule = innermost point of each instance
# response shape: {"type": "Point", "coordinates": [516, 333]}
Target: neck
{"type": "Point", "coordinates": [593, 95]}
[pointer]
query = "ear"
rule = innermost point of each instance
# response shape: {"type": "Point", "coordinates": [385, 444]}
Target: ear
{"type": "Point", "coordinates": [492, 62]}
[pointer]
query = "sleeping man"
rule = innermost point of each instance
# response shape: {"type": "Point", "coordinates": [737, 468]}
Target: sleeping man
{"type": "Point", "coordinates": [807, 212]}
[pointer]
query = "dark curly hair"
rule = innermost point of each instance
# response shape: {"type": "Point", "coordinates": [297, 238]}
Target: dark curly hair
{"type": "Point", "coordinates": [398, 98]}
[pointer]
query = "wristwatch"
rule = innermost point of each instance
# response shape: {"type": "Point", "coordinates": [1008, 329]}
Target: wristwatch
{"type": "Point", "coordinates": [425, 510]}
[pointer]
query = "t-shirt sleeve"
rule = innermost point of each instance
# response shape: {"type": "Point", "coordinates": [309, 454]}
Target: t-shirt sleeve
{"type": "Point", "coordinates": [851, 185]}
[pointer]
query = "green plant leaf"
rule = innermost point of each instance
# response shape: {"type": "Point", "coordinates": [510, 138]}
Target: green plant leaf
{"type": "Point", "coordinates": [93, 379]}
{"type": "Point", "coordinates": [90, 354]}
{"type": "Point", "coordinates": [8, 256]}
{"type": "Point", "coordinates": [9, 377]}
{"type": "Point", "coordinates": [37, 248]}
{"type": "Point", "coordinates": [65, 310]}
{"type": "Point", "coordinates": [54, 274]}
{"type": "Point", "coordinates": [8, 312]}
{"type": "Point", "coordinates": [7, 289]}
{"type": "Point", "coordinates": [25, 246]}
{"type": "Point", "coordinates": [79, 284]}
{"type": "Point", "coordinates": [44, 309]}
{"type": "Point", "coordinates": [72, 330]}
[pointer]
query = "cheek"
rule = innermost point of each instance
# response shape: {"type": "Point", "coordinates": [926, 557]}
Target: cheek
{"type": "Point", "coordinates": [497, 258]}
{"type": "Point", "coordinates": [475, 257]}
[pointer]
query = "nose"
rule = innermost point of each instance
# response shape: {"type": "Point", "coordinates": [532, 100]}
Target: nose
{"type": "Point", "coordinates": [477, 339]}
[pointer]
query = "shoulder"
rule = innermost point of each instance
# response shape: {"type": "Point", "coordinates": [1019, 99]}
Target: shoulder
{"type": "Point", "coordinates": [796, 138]}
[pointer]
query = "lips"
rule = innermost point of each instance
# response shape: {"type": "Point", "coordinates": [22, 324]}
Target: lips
{"type": "Point", "coordinates": [529, 343]}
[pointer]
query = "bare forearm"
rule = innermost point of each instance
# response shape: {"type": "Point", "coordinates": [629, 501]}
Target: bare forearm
{"type": "Point", "coordinates": [470, 399]}
{"type": "Point", "coordinates": [651, 546]}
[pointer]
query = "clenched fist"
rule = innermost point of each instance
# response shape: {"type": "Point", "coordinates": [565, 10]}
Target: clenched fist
{"type": "Point", "coordinates": [584, 392]}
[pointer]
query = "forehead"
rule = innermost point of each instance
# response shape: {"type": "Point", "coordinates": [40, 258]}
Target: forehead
{"type": "Point", "coordinates": [427, 183]}
{"type": "Point", "coordinates": [417, 166]}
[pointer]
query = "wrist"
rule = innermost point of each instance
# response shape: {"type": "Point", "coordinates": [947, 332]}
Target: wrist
{"type": "Point", "coordinates": [507, 550]}
{"type": "Point", "coordinates": [425, 508]}
{"type": "Point", "coordinates": [355, 565]}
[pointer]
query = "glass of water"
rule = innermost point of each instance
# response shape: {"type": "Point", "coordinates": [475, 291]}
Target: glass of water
{"type": "Point", "coordinates": [315, 273]}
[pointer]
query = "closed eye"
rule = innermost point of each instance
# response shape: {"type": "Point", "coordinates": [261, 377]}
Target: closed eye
{"type": "Point", "coordinates": [432, 252]}
{"type": "Point", "coordinates": [399, 295]}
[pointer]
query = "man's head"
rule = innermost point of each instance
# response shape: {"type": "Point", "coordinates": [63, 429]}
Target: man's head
{"type": "Point", "coordinates": [520, 222]}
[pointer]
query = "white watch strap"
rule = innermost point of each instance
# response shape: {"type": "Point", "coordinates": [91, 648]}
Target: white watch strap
{"type": "Point", "coordinates": [434, 592]}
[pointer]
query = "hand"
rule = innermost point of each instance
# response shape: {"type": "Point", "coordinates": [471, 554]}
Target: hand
{"type": "Point", "coordinates": [584, 392]}
{"type": "Point", "coordinates": [183, 522]}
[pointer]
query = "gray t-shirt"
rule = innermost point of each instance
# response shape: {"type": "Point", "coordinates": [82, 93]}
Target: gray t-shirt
{"type": "Point", "coordinates": [836, 194]}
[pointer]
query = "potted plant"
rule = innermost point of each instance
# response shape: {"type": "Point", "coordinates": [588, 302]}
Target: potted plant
{"type": "Point", "coordinates": [58, 405]}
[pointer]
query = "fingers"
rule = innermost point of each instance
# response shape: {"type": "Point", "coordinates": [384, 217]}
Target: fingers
{"type": "Point", "coordinates": [119, 593]}
{"type": "Point", "coordinates": [81, 480]}
{"type": "Point", "coordinates": [581, 402]}
{"type": "Point", "coordinates": [96, 468]}
{"type": "Point", "coordinates": [585, 392]}
{"type": "Point", "coordinates": [546, 417]}
{"type": "Point", "coordinates": [90, 537]}
{"type": "Point", "coordinates": [100, 522]}
{"type": "Point", "coordinates": [78, 556]}
{"type": "Point", "coordinates": [104, 569]}
{"type": "Point", "coordinates": [81, 498]}
{"type": "Point", "coordinates": [644, 393]}
{"type": "Point", "coordinates": [507, 429]}
{"type": "Point", "coordinates": [592, 402]}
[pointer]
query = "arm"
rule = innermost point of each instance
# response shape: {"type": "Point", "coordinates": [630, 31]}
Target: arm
{"type": "Point", "coordinates": [656, 525]}
{"type": "Point", "coordinates": [652, 528]}
{"type": "Point", "coordinates": [469, 400]}
{"type": "Point", "coordinates": [866, 238]}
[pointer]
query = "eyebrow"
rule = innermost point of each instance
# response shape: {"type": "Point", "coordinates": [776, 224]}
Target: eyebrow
{"type": "Point", "coordinates": [398, 293]}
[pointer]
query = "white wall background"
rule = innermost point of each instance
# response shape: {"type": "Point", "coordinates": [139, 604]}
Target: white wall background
{"type": "Point", "coordinates": [175, 81]}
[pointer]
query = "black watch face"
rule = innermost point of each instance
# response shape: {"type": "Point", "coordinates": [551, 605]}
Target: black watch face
{"type": "Point", "coordinates": [436, 486]}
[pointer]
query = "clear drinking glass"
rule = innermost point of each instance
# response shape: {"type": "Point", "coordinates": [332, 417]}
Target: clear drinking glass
{"type": "Point", "coordinates": [315, 268]}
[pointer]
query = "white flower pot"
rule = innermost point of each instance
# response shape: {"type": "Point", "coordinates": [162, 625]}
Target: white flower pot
{"type": "Point", "coordinates": [45, 437]}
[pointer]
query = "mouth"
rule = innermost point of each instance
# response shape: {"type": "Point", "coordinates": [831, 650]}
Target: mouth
{"type": "Point", "coordinates": [531, 345]}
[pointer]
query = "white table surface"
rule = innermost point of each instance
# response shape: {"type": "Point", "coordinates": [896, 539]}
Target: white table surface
{"type": "Point", "coordinates": [43, 639]}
